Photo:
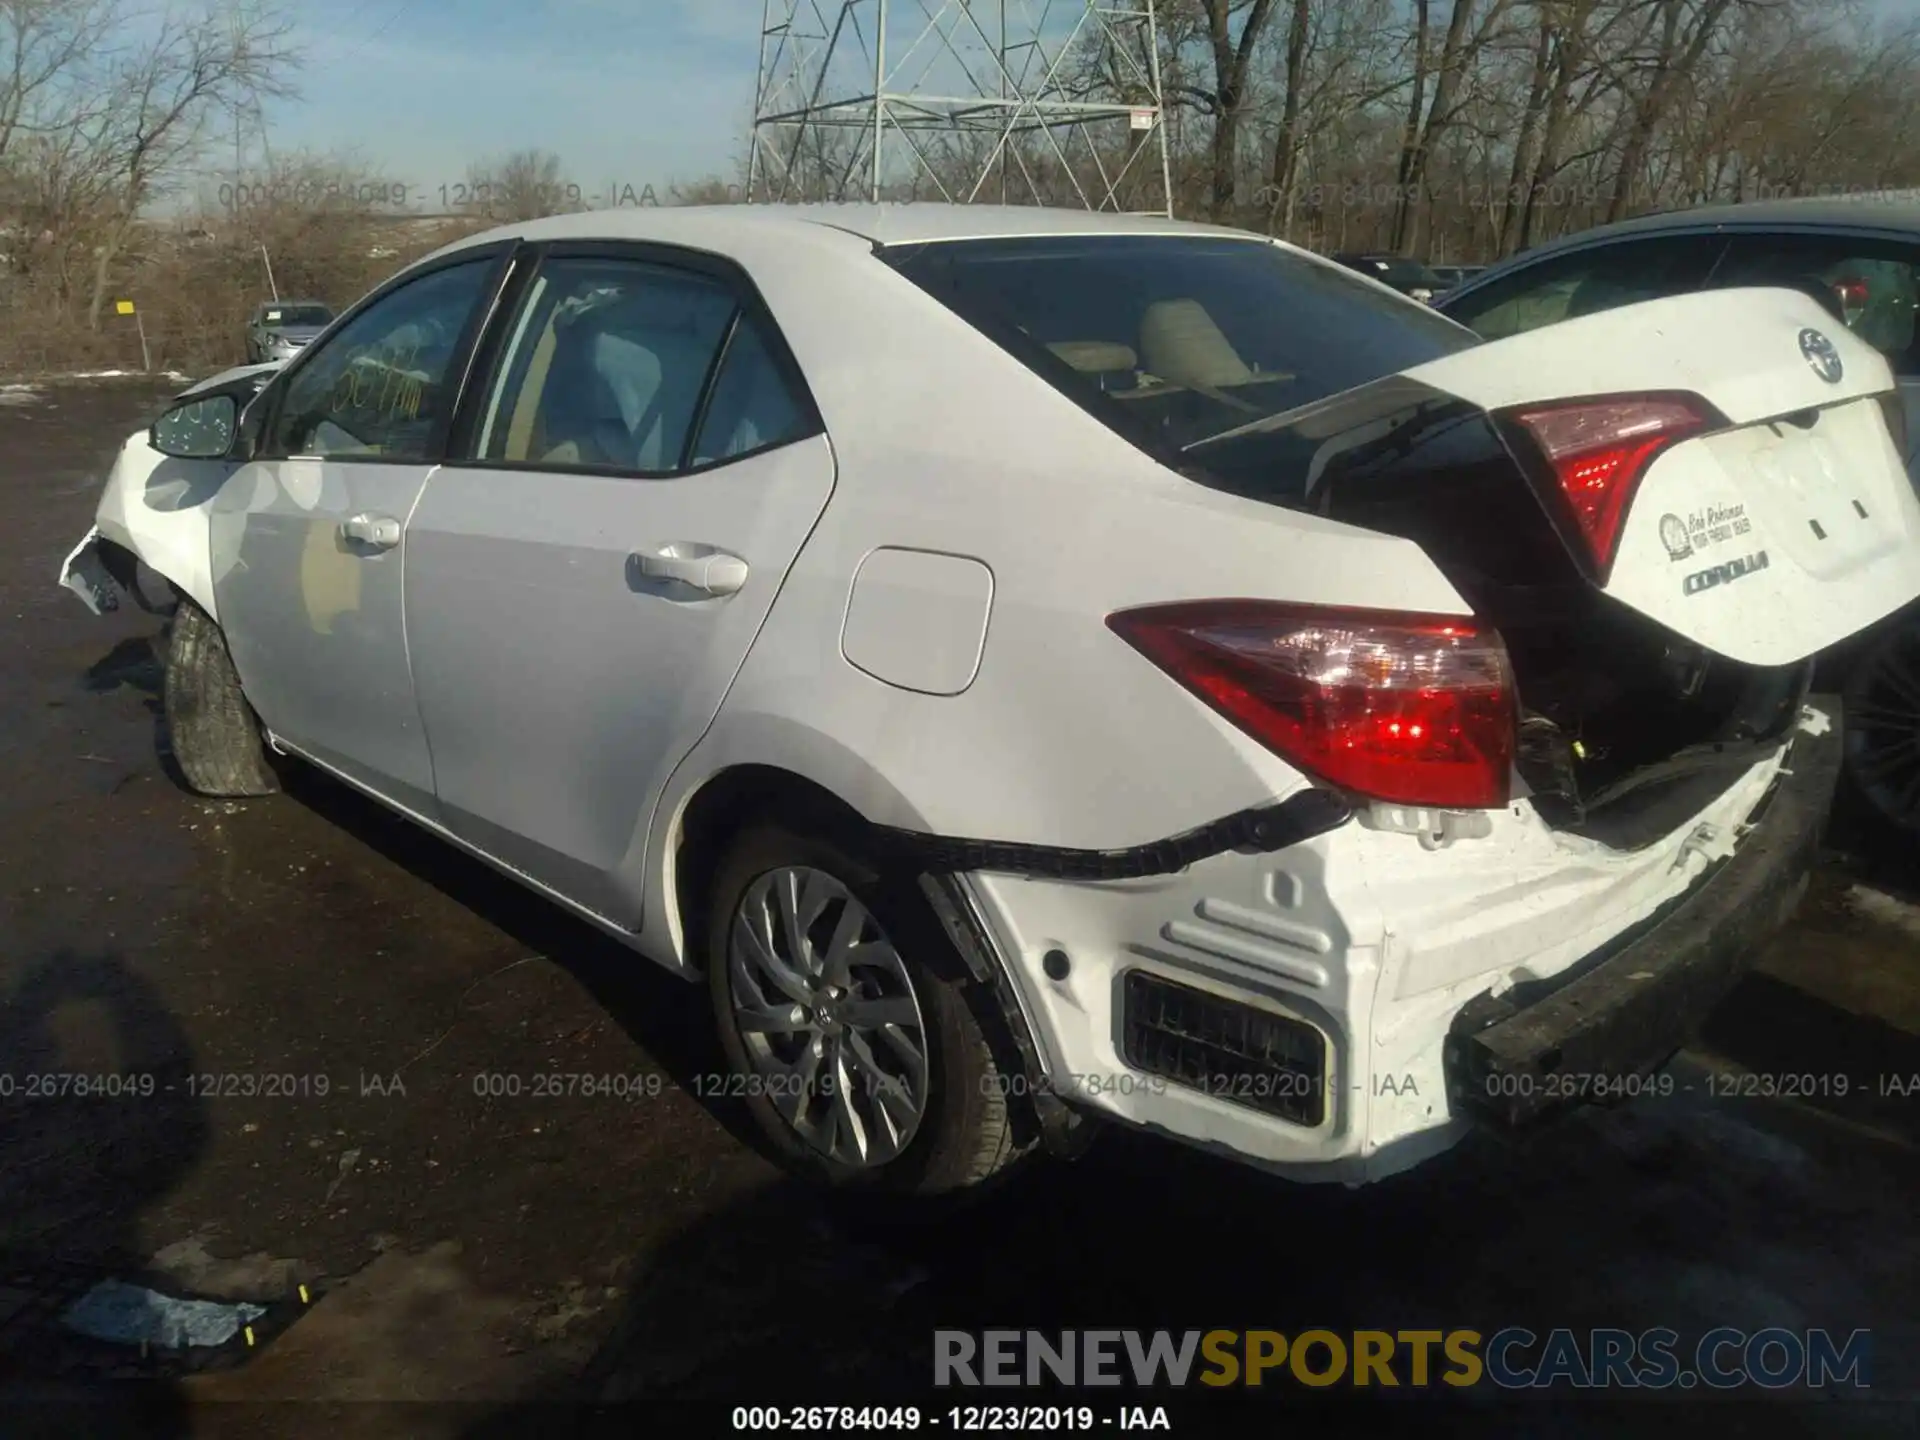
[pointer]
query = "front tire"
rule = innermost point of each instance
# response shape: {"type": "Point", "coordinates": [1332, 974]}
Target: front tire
{"type": "Point", "coordinates": [849, 1022]}
{"type": "Point", "coordinates": [212, 730]}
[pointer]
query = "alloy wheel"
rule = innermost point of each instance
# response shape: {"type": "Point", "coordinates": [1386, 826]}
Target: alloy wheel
{"type": "Point", "coordinates": [828, 1016]}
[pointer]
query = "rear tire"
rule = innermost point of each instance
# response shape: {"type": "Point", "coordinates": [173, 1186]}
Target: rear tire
{"type": "Point", "coordinates": [1882, 710]}
{"type": "Point", "coordinates": [861, 1116]}
{"type": "Point", "coordinates": [214, 734]}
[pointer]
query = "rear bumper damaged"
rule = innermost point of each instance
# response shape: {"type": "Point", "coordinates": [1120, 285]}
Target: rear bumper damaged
{"type": "Point", "coordinates": [1516, 1058]}
{"type": "Point", "coordinates": [1343, 1008]}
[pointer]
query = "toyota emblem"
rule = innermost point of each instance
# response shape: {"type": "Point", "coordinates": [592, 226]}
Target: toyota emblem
{"type": "Point", "coordinates": [1821, 356]}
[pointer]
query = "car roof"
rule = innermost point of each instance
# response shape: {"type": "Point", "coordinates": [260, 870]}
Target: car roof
{"type": "Point", "coordinates": [916, 222]}
{"type": "Point", "coordinates": [1893, 211]}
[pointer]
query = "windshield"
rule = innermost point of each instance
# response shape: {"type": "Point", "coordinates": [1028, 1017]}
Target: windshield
{"type": "Point", "coordinates": [304, 316]}
{"type": "Point", "coordinates": [1173, 339]}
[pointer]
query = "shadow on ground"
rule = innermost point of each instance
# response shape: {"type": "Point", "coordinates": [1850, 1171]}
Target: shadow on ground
{"type": "Point", "coordinates": [138, 663]}
{"type": "Point", "coordinates": [777, 1301]}
{"type": "Point", "coordinates": [73, 1026]}
{"type": "Point", "coordinates": [665, 1016]}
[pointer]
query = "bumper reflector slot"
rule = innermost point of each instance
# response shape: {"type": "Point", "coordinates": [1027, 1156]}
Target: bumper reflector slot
{"type": "Point", "coordinates": [1234, 1052]}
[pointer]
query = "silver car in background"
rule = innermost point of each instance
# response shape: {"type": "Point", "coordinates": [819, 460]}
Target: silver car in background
{"type": "Point", "coordinates": [281, 329]}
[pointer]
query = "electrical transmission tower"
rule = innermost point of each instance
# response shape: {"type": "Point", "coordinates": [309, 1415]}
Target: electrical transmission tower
{"type": "Point", "coordinates": [1053, 102]}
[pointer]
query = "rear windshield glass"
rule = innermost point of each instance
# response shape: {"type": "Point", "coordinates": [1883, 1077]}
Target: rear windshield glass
{"type": "Point", "coordinates": [1174, 339]}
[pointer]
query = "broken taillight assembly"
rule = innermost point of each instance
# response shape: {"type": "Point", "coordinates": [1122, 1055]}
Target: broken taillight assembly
{"type": "Point", "coordinates": [1412, 709]}
{"type": "Point", "coordinates": [1598, 450]}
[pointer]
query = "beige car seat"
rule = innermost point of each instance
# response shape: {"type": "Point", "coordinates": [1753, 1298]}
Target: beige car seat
{"type": "Point", "coordinates": [1180, 344]}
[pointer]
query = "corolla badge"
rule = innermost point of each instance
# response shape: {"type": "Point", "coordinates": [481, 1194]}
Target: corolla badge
{"type": "Point", "coordinates": [1821, 356]}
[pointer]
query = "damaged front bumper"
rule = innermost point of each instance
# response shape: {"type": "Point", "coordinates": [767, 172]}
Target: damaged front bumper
{"type": "Point", "coordinates": [1521, 1056]}
{"type": "Point", "coordinates": [104, 574]}
{"type": "Point", "coordinates": [85, 573]}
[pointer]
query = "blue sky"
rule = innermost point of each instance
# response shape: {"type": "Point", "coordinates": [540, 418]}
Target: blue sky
{"type": "Point", "coordinates": [628, 92]}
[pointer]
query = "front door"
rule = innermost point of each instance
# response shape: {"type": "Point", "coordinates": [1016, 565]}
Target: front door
{"type": "Point", "coordinates": [584, 585]}
{"type": "Point", "coordinates": [308, 537]}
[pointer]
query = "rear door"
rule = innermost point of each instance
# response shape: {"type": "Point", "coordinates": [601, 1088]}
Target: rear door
{"type": "Point", "coordinates": [637, 473]}
{"type": "Point", "coordinates": [1872, 281]}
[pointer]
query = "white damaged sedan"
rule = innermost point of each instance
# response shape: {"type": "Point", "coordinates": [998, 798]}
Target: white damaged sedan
{"type": "Point", "coordinates": [1040, 667]}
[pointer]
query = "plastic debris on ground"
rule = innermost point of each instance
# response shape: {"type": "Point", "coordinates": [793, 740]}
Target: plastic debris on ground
{"type": "Point", "coordinates": [134, 1315]}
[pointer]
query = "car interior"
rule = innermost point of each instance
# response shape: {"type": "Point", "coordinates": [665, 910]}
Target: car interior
{"type": "Point", "coordinates": [614, 382]}
{"type": "Point", "coordinates": [1180, 347]}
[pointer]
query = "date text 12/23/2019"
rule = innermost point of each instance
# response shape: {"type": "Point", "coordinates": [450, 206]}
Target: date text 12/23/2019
{"type": "Point", "coordinates": [960, 1419]}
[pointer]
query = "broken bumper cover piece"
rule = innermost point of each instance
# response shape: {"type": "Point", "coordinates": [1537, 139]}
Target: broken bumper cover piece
{"type": "Point", "coordinates": [102, 574]}
{"type": "Point", "coordinates": [85, 573]}
{"type": "Point", "coordinates": [1516, 1058]}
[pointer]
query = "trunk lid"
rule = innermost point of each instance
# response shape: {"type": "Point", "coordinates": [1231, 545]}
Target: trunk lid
{"type": "Point", "coordinates": [1765, 540]}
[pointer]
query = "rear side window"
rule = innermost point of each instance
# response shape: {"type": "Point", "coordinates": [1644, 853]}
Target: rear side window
{"type": "Point", "coordinates": [1173, 339]}
{"type": "Point", "coordinates": [637, 367]}
{"type": "Point", "coordinates": [1587, 282]}
{"type": "Point", "coordinates": [1871, 285]}
{"type": "Point", "coordinates": [753, 407]}
{"type": "Point", "coordinates": [606, 367]}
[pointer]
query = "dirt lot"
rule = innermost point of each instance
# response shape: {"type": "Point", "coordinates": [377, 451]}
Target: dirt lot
{"type": "Point", "coordinates": [502, 1251]}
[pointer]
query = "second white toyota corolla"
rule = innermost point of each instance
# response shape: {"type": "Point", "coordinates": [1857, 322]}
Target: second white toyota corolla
{"type": "Point", "coordinates": [1040, 665]}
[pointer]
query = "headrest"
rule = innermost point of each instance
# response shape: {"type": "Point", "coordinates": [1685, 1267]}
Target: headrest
{"type": "Point", "coordinates": [1182, 345]}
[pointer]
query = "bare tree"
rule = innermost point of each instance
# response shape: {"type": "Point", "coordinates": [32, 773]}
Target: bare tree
{"type": "Point", "coordinates": [1683, 42]}
{"type": "Point", "coordinates": [1230, 30]}
{"type": "Point", "coordinates": [1338, 61]}
{"type": "Point", "coordinates": [1460, 49]}
{"type": "Point", "coordinates": [43, 43]}
{"type": "Point", "coordinates": [158, 98]}
{"type": "Point", "coordinates": [526, 185]}
{"type": "Point", "coordinates": [1584, 39]}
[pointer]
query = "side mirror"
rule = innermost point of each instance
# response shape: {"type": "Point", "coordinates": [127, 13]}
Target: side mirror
{"type": "Point", "coordinates": [198, 430]}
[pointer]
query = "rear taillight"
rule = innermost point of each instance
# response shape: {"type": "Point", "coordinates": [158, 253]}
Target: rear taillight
{"type": "Point", "coordinates": [1414, 709]}
{"type": "Point", "coordinates": [1852, 293]}
{"type": "Point", "coordinates": [1599, 449]}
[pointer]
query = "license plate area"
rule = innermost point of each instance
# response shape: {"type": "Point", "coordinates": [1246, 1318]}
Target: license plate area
{"type": "Point", "coordinates": [1808, 490]}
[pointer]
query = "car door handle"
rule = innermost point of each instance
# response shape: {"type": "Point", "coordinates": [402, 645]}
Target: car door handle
{"type": "Point", "coordinates": [699, 567]}
{"type": "Point", "coordinates": [379, 532]}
